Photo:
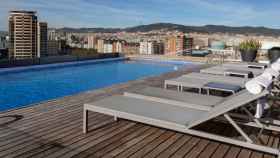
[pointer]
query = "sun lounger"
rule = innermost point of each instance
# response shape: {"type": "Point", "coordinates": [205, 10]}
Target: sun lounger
{"type": "Point", "coordinates": [216, 78]}
{"type": "Point", "coordinates": [179, 118]}
{"type": "Point", "coordinates": [229, 70]}
{"type": "Point", "coordinates": [183, 82]}
{"type": "Point", "coordinates": [203, 102]}
{"type": "Point", "coordinates": [206, 81]}
{"type": "Point", "coordinates": [253, 65]}
{"type": "Point", "coordinates": [194, 100]}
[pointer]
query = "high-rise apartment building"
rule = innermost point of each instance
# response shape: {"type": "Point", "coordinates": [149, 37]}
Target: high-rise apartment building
{"type": "Point", "coordinates": [28, 37]}
{"type": "Point", "coordinates": [42, 41]}
{"type": "Point", "coordinates": [23, 35]}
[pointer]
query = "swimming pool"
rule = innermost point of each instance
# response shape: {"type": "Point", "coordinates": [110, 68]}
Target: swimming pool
{"type": "Point", "coordinates": [29, 86]}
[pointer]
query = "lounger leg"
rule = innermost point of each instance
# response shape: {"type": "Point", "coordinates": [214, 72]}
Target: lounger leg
{"type": "Point", "coordinates": [238, 128]}
{"type": "Point", "coordinates": [85, 121]}
{"type": "Point", "coordinates": [115, 118]}
{"type": "Point", "coordinates": [253, 118]}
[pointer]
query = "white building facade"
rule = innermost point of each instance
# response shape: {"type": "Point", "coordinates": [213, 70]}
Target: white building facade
{"type": "Point", "coordinates": [146, 47]}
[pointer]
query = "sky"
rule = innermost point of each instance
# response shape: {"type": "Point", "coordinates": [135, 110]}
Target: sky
{"type": "Point", "coordinates": [127, 13]}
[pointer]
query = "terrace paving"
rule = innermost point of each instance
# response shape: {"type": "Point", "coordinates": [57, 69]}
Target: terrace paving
{"type": "Point", "coordinates": [54, 129]}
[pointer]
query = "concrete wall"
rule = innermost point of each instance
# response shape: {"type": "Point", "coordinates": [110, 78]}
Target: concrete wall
{"type": "Point", "coordinates": [54, 59]}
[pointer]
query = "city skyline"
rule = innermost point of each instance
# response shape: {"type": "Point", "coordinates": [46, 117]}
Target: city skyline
{"type": "Point", "coordinates": [125, 13]}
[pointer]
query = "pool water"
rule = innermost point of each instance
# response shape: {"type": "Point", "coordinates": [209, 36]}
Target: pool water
{"type": "Point", "coordinates": [27, 87]}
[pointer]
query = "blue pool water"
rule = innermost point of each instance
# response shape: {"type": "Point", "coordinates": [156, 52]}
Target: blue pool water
{"type": "Point", "coordinates": [23, 88]}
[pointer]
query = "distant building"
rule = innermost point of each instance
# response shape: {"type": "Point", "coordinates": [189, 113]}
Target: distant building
{"type": "Point", "coordinates": [23, 35]}
{"type": "Point", "coordinates": [52, 35]}
{"type": "Point", "coordinates": [108, 46]}
{"type": "Point", "coordinates": [63, 48]}
{"type": "Point", "coordinates": [151, 47]}
{"type": "Point", "coordinates": [117, 46]}
{"type": "Point", "coordinates": [92, 42]}
{"type": "Point", "coordinates": [42, 39]}
{"type": "Point", "coordinates": [131, 48]}
{"type": "Point", "coordinates": [3, 42]}
{"type": "Point", "coordinates": [177, 43]}
{"type": "Point", "coordinates": [144, 48]}
{"type": "Point", "coordinates": [170, 45]}
{"type": "Point", "coordinates": [201, 42]}
{"type": "Point", "coordinates": [53, 47]}
{"type": "Point", "coordinates": [188, 43]}
{"type": "Point", "coordinates": [100, 45]}
{"type": "Point", "coordinates": [158, 48]}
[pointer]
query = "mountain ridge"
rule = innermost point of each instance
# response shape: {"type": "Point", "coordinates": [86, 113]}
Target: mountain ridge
{"type": "Point", "coordinates": [245, 30]}
{"type": "Point", "coordinates": [248, 30]}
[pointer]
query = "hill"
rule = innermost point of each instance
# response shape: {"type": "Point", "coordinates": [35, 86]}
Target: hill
{"type": "Point", "coordinates": [171, 27]}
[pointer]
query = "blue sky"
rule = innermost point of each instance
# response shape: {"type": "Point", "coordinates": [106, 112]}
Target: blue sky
{"type": "Point", "coordinates": [124, 13]}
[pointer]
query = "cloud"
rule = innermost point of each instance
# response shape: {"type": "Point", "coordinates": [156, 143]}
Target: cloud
{"type": "Point", "coordinates": [123, 13]}
{"type": "Point", "coordinates": [74, 13]}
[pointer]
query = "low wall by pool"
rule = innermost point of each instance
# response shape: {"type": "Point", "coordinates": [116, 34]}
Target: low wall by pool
{"type": "Point", "coordinates": [35, 67]}
{"type": "Point", "coordinates": [7, 63]}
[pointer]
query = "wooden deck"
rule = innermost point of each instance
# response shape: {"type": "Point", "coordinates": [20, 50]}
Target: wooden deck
{"type": "Point", "coordinates": [54, 129]}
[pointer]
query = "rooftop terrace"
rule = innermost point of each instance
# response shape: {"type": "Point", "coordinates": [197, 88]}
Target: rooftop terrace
{"type": "Point", "coordinates": [54, 129]}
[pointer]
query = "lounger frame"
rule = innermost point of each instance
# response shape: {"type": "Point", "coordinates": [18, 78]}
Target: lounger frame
{"type": "Point", "coordinates": [258, 123]}
{"type": "Point", "coordinates": [221, 111]}
{"type": "Point", "coordinates": [180, 128]}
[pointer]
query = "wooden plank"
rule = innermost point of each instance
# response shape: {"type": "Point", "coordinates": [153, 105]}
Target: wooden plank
{"type": "Point", "coordinates": [120, 142]}
{"type": "Point", "coordinates": [18, 134]}
{"type": "Point", "coordinates": [140, 144]}
{"type": "Point", "coordinates": [233, 152]}
{"type": "Point", "coordinates": [187, 147]}
{"type": "Point", "coordinates": [90, 141]}
{"type": "Point", "coordinates": [31, 136]}
{"type": "Point", "coordinates": [74, 131]}
{"type": "Point", "coordinates": [29, 122]}
{"type": "Point", "coordinates": [222, 148]}
{"type": "Point", "coordinates": [149, 147]}
{"type": "Point", "coordinates": [264, 140]}
{"type": "Point", "coordinates": [72, 142]}
{"type": "Point", "coordinates": [116, 139]}
{"type": "Point", "coordinates": [196, 151]}
{"type": "Point", "coordinates": [175, 146]}
{"type": "Point", "coordinates": [245, 153]}
{"type": "Point", "coordinates": [206, 147]}
{"type": "Point", "coordinates": [273, 142]}
{"type": "Point", "coordinates": [163, 146]}
{"type": "Point", "coordinates": [39, 141]}
{"type": "Point", "coordinates": [203, 143]}
{"type": "Point", "coordinates": [121, 148]}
